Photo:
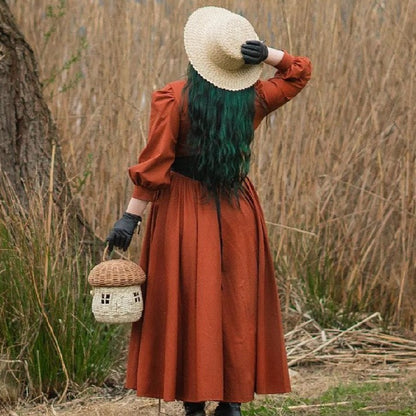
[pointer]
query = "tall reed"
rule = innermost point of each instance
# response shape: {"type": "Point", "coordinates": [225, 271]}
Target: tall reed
{"type": "Point", "coordinates": [49, 341]}
{"type": "Point", "coordinates": [337, 162]}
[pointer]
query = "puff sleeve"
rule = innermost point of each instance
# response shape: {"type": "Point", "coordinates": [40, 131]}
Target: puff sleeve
{"type": "Point", "coordinates": [293, 73]}
{"type": "Point", "coordinates": [153, 169]}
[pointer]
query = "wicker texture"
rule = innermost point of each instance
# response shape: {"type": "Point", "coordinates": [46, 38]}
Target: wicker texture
{"type": "Point", "coordinates": [213, 37]}
{"type": "Point", "coordinates": [116, 273]}
{"type": "Point", "coordinates": [117, 304]}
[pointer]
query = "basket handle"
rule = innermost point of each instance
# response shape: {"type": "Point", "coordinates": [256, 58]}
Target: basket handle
{"type": "Point", "coordinates": [105, 253]}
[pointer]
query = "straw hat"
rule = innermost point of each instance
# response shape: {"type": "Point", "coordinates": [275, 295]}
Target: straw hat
{"type": "Point", "coordinates": [213, 37]}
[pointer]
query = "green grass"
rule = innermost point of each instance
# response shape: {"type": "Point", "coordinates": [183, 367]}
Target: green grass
{"type": "Point", "coordinates": [362, 399]}
{"type": "Point", "coordinates": [50, 343]}
{"type": "Point", "coordinates": [315, 288]}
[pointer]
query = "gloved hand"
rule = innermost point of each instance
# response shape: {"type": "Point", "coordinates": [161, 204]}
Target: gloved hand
{"type": "Point", "coordinates": [122, 232]}
{"type": "Point", "coordinates": [254, 52]}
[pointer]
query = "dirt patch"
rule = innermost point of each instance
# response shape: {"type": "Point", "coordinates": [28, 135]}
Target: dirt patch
{"type": "Point", "coordinates": [307, 382]}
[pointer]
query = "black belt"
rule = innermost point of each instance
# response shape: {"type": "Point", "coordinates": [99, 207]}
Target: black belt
{"type": "Point", "coordinates": [188, 166]}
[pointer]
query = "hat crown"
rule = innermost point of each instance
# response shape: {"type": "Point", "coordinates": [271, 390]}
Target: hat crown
{"type": "Point", "coordinates": [227, 37]}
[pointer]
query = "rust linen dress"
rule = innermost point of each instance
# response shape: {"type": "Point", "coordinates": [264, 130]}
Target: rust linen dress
{"type": "Point", "coordinates": [212, 327]}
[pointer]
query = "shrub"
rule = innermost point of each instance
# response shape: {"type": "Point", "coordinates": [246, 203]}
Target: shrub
{"type": "Point", "coordinates": [49, 341]}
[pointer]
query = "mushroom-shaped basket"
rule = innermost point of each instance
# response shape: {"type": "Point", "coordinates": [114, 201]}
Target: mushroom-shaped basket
{"type": "Point", "coordinates": [117, 296]}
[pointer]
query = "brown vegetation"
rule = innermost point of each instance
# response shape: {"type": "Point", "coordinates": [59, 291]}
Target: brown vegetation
{"type": "Point", "coordinates": [335, 169]}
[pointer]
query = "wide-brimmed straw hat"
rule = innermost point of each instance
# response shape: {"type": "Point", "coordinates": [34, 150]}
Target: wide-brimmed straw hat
{"type": "Point", "coordinates": [213, 37]}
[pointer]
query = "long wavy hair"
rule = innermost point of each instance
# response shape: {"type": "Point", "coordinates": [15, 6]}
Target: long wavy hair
{"type": "Point", "coordinates": [221, 131]}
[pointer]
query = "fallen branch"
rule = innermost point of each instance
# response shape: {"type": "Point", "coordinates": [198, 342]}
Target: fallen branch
{"type": "Point", "coordinates": [312, 406]}
{"type": "Point", "coordinates": [332, 340]}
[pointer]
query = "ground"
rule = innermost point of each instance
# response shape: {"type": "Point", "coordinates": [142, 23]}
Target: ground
{"type": "Point", "coordinates": [342, 389]}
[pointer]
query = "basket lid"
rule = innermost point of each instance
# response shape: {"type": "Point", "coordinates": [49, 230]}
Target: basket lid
{"type": "Point", "coordinates": [116, 273]}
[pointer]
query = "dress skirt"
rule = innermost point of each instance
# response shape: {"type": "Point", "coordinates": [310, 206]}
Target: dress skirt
{"type": "Point", "coordinates": [211, 327]}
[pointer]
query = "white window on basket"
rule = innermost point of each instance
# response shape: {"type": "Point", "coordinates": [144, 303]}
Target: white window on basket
{"type": "Point", "coordinates": [105, 298]}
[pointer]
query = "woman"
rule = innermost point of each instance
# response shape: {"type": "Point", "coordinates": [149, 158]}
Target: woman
{"type": "Point", "coordinates": [211, 328]}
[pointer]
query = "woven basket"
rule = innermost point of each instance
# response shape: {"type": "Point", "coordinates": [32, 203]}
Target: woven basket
{"type": "Point", "coordinates": [115, 305]}
{"type": "Point", "coordinates": [116, 273]}
{"type": "Point", "coordinates": [117, 296]}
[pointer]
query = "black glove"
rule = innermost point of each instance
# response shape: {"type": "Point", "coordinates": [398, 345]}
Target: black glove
{"type": "Point", "coordinates": [254, 52]}
{"type": "Point", "coordinates": [122, 232]}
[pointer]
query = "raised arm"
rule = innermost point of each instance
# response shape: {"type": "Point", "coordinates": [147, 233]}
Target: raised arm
{"type": "Point", "coordinates": [292, 75]}
{"type": "Point", "coordinates": [293, 72]}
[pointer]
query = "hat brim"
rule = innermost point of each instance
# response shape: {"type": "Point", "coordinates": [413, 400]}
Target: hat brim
{"type": "Point", "coordinates": [198, 41]}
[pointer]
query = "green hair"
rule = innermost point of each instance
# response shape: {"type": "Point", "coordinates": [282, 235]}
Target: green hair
{"type": "Point", "coordinates": [221, 131]}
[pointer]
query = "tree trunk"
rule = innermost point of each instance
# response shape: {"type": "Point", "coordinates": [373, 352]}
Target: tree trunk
{"type": "Point", "coordinates": [27, 131]}
{"type": "Point", "coordinates": [29, 147]}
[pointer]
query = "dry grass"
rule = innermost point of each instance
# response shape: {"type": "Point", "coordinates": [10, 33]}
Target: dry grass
{"type": "Point", "coordinates": [339, 161]}
{"type": "Point", "coordinates": [313, 388]}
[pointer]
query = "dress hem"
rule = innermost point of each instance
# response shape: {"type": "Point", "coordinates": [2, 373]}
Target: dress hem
{"type": "Point", "coordinates": [207, 398]}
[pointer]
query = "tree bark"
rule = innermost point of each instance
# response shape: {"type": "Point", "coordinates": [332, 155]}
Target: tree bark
{"type": "Point", "coordinates": [29, 146]}
{"type": "Point", "coordinates": [27, 131]}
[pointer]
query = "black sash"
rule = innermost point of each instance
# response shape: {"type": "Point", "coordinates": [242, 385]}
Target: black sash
{"type": "Point", "coordinates": [187, 166]}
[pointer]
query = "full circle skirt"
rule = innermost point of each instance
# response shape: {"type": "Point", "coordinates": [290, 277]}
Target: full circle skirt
{"type": "Point", "coordinates": [212, 327]}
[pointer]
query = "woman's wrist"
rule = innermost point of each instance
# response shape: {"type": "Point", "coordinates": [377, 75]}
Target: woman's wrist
{"type": "Point", "coordinates": [274, 57]}
{"type": "Point", "coordinates": [137, 207]}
